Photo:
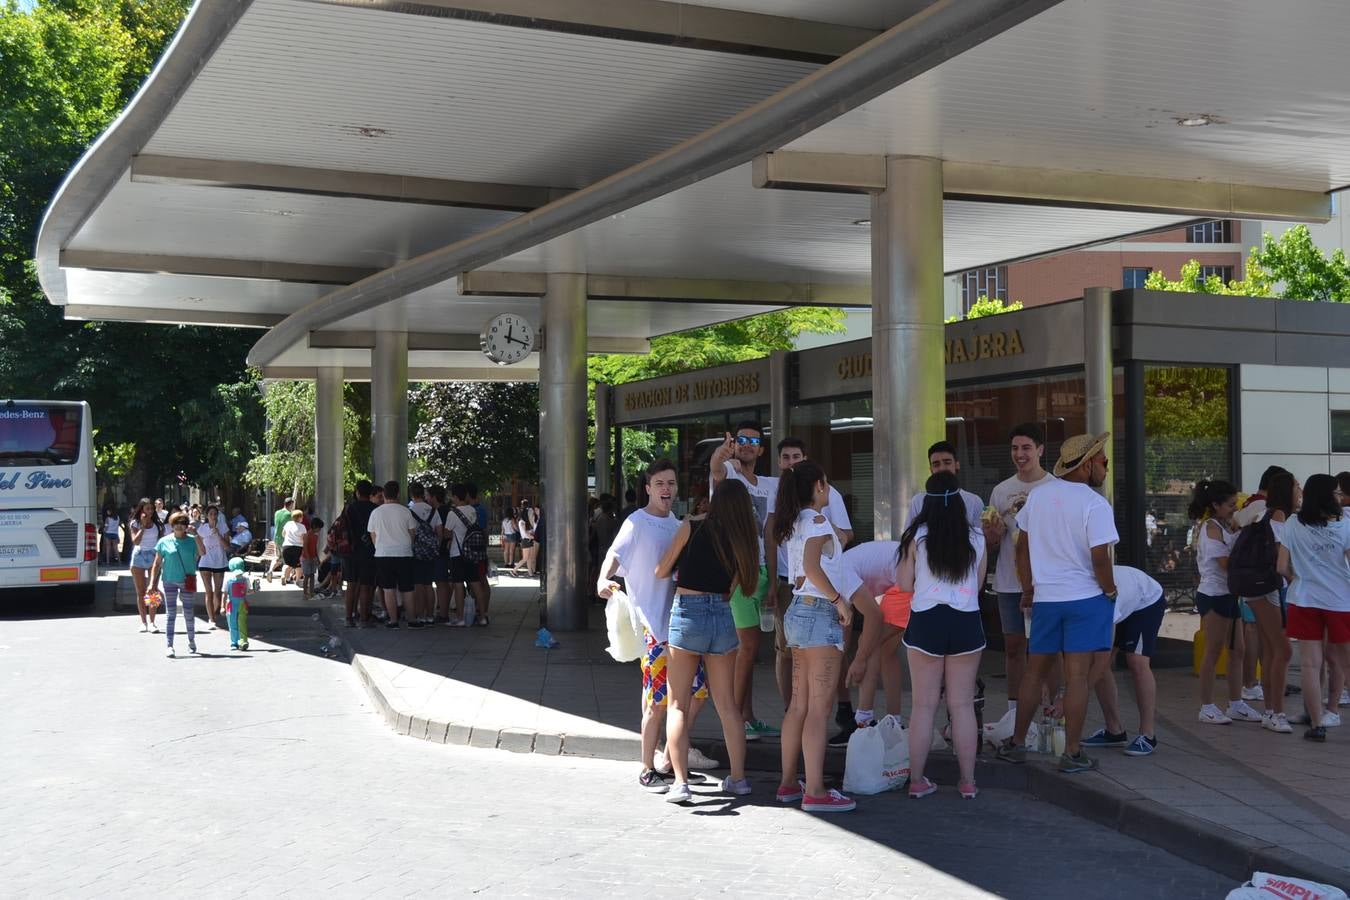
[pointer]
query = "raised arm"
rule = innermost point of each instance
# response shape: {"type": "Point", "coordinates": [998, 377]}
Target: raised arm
{"type": "Point", "coordinates": [717, 464]}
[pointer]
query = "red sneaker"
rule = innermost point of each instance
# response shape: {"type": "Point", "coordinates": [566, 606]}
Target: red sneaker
{"type": "Point", "coordinates": [790, 795]}
{"type": "Point", "coordinates": [831, 802]}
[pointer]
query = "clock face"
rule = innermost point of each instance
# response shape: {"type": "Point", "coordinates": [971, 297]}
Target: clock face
{"type": "Point", "coordinates": [506, 339]}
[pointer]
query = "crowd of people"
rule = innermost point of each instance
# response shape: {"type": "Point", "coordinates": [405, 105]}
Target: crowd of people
{"type": "Point", "coordinates": [773, 555]}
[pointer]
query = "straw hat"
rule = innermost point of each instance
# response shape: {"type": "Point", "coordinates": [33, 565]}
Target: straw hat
{"type": "Point", "coordinates": [1078, 448]}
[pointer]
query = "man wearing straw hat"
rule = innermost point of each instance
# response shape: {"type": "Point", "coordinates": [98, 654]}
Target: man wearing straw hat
{"type": "Point", "coordinates": [1064, 565]}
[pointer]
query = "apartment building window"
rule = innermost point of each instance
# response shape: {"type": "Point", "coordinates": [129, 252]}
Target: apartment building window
{"type": "Point", "coordinates": [1135, 276]}
{"type": "Point", "coordinates": [1225, 273]}
{"type": "Point", "coordinates": [991, 282]}
{"type": "Point", "coordinates": [1220, 232]}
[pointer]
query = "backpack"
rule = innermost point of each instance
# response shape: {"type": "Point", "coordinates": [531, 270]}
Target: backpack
{"type": "Point", "coordinates": [339, 537]}
{"type": "Point", "coordinates": [475, 544]}
{"type": "Point", "coordinates": [426, 547]}
{"type": "Point", "coordinates": [1251, 562]}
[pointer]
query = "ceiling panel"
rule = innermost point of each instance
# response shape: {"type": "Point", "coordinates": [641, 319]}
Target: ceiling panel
{"type": "Point", "coordinates": [878, 14]}
{"type": "Point", "coordinates": [160, 292]}
{"type": "Point", "coordinates": [1098, 85]}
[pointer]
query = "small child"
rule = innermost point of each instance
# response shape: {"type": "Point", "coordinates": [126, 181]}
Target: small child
{"type": "Point", "coordinates": [236, 604]}
{"type": "Point", "coordinates": [309, 556]}
{"type": "Point", "coordinates": [176, 556]}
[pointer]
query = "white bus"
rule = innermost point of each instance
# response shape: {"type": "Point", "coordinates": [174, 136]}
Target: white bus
{"type": "Point", "coordinates": [48, 520]}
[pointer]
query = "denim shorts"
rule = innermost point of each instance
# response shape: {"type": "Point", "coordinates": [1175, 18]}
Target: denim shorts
{"type": "Point", "coordinates": [143, 558]}
{"type": "Point", "coordinates": [1072, 626]}
{"type": "Point", "coordinates": [702, 623]}
{"type": "Point", "coordinates": [1010, 615]}
{"type": "Point", "coordinates": [812, 622]}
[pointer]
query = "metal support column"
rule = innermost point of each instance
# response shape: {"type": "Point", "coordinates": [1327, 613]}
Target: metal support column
{"type": "Point", "coordinates": [1097, 381]}
{"type": "Point", "coordinates": [909, 402]}
{"type": "Point", "coordinates": [328, 444]}
{"type": "Point", "coordinates": [389, 407]}
{"type": "Point", "coordinates": [562, 451]}
{"type": "Point", "coordinates": [778, 405]}
{"type": "Point", "coordinates": [603, 470]}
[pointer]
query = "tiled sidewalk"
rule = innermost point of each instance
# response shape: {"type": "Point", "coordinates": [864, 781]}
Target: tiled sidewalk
{"type": "Point", "coordinates": [1233, 797]}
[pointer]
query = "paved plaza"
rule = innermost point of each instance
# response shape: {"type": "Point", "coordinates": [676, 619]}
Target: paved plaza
{"type": "Point", "coordinates": [271, 774]}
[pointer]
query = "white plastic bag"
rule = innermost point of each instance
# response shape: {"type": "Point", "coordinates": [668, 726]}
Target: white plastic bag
{"type": "Point", "coordinates": [624, 628]}
{"type": "Point", "coordinates": [878, 758]}
{"type": "Point", "coordinates": [996, 733]}
{"type": "Point", "coordinates": [1265, 886]}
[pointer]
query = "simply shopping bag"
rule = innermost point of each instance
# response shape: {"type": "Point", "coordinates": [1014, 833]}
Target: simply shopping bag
{"type": "Point", "coordinates": [877, 758]}
{"type": "Point", "coordinates": [623, 627]}
{"type": "Point", "coordinates": [1265, 886]}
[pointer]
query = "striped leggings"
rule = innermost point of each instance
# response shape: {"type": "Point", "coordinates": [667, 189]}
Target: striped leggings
{"type": "Point", "coordinates": [173, 593]}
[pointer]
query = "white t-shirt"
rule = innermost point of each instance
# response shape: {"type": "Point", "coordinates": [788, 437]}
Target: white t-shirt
{"type": "Point", "coordinates": [1208, 552]}
{"type": "Point", "coordinates": [835, 511]}
{"type": "Point", "coordinates": [1321, 570]}
{"type": "Point", "coordinates": [974, 508]}
{"type": "Point", "coordinates": [1252, 512]}
{"type": "Point", "coordinates": [1007, 499]}
{"type": "Point", "coordinates": [393, 525]}
{"type": "Point", "coordinates": [110, 525]}
{"type": "Point", "coordinates": [508, 526]}
{"type": "Point", "coordinates": [641, 542]}
{"type": "Point", "coordinates": [217, 553]}
{"type": "Point", "coordinates": [762, 494]}
{"type": "Point", "coordinates": [1065, 520]}
{"type": "Point", "coordinates": [875, 563]}
{"type": "Point", "coordinates": [842, 576]}
{"type": "Point", "coordinates": [149, 537]}
{"type": "Point", "coordinates": [293, 534]}
{"type": "Point", "coordinates": [931, 591]}
{"type": "Point", "coordinates": [455, 540]}
{"type": "Point", "coordinates": [420, 509]}
{"type": "Point", "coordinates": [526, 529]}
{"type": "Point", "coordinates": [1134, 591]}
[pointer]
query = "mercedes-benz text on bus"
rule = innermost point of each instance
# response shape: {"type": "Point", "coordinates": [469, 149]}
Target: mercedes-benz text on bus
{"type": "Point", "coordinates": [48, 519]}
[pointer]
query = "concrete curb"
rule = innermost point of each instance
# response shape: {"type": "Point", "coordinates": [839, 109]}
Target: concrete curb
{"type": "Point", "coordinates": [1219, 849]}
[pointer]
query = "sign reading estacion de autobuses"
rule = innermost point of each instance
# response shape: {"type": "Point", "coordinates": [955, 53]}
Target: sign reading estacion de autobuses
{"type": "Point", "coordinates": [728, 387]}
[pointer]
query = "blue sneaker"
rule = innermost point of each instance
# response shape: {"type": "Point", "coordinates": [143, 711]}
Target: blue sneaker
{"type": "Point", "coordinates": [1103, 738]}
{"type": "Point", "coordinates": [1142, 745]}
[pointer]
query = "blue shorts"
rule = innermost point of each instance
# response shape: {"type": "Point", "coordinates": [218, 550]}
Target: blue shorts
{"type": "Point", "coordinates": [1073, 626]}
{"type": "Point", "coordinates": [143, 558]}
{"type": "Point", "coordinates": [1138, 632]}
{"type": "Point", "coordinates": [702, 623]}
{"type": "Point", "coordinates": [812, 622]}
{"type": "Point", "coordinates": [1010, 615]}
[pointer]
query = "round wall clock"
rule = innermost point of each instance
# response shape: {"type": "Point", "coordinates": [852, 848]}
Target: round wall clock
{"type": "Point", "coordinates": [507, 338]}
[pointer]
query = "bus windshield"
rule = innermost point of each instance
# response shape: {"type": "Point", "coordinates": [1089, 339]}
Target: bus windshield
{"type": "Point", "coordinates": [39, 434]}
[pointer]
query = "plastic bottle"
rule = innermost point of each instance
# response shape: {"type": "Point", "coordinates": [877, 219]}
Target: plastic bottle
{"type": "Point", "coordinates": [1060, 737]}
{"type": "Point", "coordinates": [470, 609]}
{"type": "Point", "coordinates": [766, 622]}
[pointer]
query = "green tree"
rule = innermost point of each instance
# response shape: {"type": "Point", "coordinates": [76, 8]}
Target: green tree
{"type": "Point", "coordinates": [1185, 424]}
{"type": "Point", "coordinates": [288, 465]}
{"type": "Point", "coordinates": [486, 433]}
{"type": "Point", "coordinates": [986, 306]}
{"type": "Point", "coordinates": [1290, 267]}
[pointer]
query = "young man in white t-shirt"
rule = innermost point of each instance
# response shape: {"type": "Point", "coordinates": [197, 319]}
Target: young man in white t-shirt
{"type": "Point", "coordinates": [391, 528]}
{"type": "Point", "coordinates": [1027, 444]}
{"type": "Point", "coordinates": [1138, 617]}
{"type": "Point", "coordinates": [1064, 566]}
{"type": "Point", "coordinates": [642, 540]}
{"type": "Point", "coordinates": [942, 458]}
{"type": "Point", "coordinates": [792, 450]}
{"type": "Point", "coordinates": [736, 458]}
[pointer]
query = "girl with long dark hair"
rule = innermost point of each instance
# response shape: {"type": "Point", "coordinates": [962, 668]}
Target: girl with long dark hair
{"type": "Point", "coordinates": [1283, 496]}
{"type": "Point", "coordinates": [146, 530]}
{"type": "Point", "coordinates": [942, 560]}
{"type": "Point", "coordinates": [1213, 504]}
{"type": "Point", "coordinates": [1315, 556]}
{"type": "Point", "coordinates": [825, 591]}
{"type": "Point", "coordinates": [715, 554]}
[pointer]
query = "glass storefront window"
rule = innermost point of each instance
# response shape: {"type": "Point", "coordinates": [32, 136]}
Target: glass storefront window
{"type": "Point", "coordinates": [689, 442]}
{"type": "Point", "coordinates": [838, 435]}
{"type": "Point", "coordinates": [1186, 438]}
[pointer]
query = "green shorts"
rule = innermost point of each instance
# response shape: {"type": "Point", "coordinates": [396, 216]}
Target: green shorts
{"type": "Point", "coordinates": [745, 610]}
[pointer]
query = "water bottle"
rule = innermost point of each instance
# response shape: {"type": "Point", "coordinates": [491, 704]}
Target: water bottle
{"type": "Point", "coordinates": [470, 609]}
{"type": "Point", "coordinates": [1060, 738]}
{"type": "Point", "coordinates": [766, 622]}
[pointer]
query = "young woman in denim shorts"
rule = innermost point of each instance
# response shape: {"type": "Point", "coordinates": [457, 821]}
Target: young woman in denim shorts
{"type": "Point", "coordinates": [713, 555]}
{"type": "Point", "coordinates": [824, 591]}
{"type": "Point", "coordinates": [146, 530]}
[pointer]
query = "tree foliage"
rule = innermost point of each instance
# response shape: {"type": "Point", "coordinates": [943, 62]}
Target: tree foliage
{"type": "Point", "coordinates": [1290, 267]}
{"type": "Point", "coordinates": [986, 306]}
{"type": "Point", "coordinates": [1185, 424]}
{"type": "Point", "coordinates": [288, 465]}
{"type": "Point", "coordinates": [481, 432]}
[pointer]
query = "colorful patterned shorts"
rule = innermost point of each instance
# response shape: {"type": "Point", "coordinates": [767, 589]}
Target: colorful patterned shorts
{"type": "Point", "coordinates": [653, 664]}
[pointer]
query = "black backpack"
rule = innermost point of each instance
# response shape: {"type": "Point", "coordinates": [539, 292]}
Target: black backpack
{"type": "Point", "coordinates": [474, 547]}
{"type": "Point", "coordinates": [1251, 562]}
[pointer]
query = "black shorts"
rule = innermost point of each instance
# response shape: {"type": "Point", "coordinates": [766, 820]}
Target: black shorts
{"type": "Point", "coordinates": [394, 573]}
{"type": "Point", "coordinates": [423, 571]}
{"type": "Point", "coordinates": [1225, 605]}
{"type": "Point", "coordinates": [526, 543]}
{"type": "Point", "coordinates": [358, 568]}
{"type": "Point", "coordinates": [463, 571]}
{"type": "Point", "coordinates": [943, 631]}
{"type": "Point", "coordinates": [217, 570]}
{"type": "Point", "coordinates": [291, 555]}
{"type": "Point", "coordinates": [1138, 632]}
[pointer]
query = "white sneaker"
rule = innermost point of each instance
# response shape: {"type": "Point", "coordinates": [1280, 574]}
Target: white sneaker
{"type": "Point", "coordinates": [144, 628]}
{"type": "Point", "coordinates": [1211, 715]}
{"type": "Point", "coordinates": [1275, 722]}
{"type": "Point", "coordinates": [1330, 719]}
{"type": "Point", "coordinates": [1253, 693]}
{"type": "Point", "coordinates": [698, 761]}
{"type": "Point", "coordinates": [662, 762]}
{"type": "Point", "coordinates": [1345, 698]}
{"type": "Point", "coordinates": [680, 793]}
{"type": "Point", "coordinates": [169, 653]}
{"type": "Point", "coordinates": [1239, 711]}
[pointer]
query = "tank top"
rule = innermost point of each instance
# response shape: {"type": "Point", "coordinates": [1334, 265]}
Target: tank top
{"type": "Point", "coordinates": [931, 591]}
{"type": "Point", "coordinates": [699, 568]}
{"type": "Point", "coordinates": [831, 555]}
{"type": "Point", "coordinates": [1208, 552]}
